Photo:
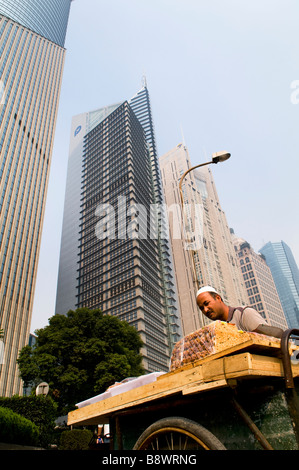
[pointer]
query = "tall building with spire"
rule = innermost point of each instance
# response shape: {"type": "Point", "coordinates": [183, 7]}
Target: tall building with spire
{"type": "Point", "coordinates": [32, 36]}
{"type": "Point", "coordinates": [109, 258]}
{"type": "Point", "coordinates": [203, 254]}
{"type": "Point", "coordinates": [140, 103]}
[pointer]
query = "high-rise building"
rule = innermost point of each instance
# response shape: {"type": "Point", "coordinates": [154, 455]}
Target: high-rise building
{"type": "Point", "coordinates": [140, 104]}
{"type": "Point", "coordinates": [260, 287]}
{"type": "Point", "coordinates": [205, 255]}
{"type": "Point", "coordinates": [109, 258]}
{"type": "Point", "coordinates": [284, 269]}
{"type": "Point", "coordinates": [32, 55]}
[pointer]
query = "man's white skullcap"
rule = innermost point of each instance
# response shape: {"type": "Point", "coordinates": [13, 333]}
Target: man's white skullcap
{"type": "Point", "coordinates": [206, 289]}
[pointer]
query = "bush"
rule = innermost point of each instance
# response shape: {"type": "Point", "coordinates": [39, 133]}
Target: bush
{"type": "Point", "coordinates": [16, 429]}
{"type": "Point", "coordinates": [76, 439]}
{"type": "Point", "coordinates": [38, 409]}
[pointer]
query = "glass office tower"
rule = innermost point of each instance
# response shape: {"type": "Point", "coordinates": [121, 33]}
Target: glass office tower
{"type": "Point", "coordinates": [285, 272]}
{"type": "Point", "coordinates": [48, 18]}
{"type": "Point", "coordinates": [32, 56]}
{"type": "Point", "coordinates": [113, 166]}
{"type": "Point", "coordinates": [140, 103]}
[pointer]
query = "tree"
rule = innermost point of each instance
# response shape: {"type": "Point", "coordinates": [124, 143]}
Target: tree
{"type": "Point", "coordinates": [80, 355]}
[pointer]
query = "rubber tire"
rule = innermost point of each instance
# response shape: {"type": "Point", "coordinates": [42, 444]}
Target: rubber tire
{"type": "Point", "coordinates": [183, 426]}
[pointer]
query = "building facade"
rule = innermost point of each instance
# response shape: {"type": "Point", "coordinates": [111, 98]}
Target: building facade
{"type": "Point", "coordinates": [109, 258]}
{"type": "Point", "coordinates": [203, 253]}
{"type": "Point", "coordinates": [32, 57]}
{"type": "Point", "coordinates": [260, 287]}
{"type": "Point", "coordinates": [284, 269]}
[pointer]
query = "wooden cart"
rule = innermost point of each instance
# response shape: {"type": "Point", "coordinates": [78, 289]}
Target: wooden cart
{"type": "Point", "coordinates": [245, 397]}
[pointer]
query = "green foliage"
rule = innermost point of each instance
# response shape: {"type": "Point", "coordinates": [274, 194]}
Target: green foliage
{"type": "Point", "coordinates": [39, 410]}
{"type": "Point", "coordinates": [81, 354]}
{"type": "Point", "coordinates": [77, 439]}
{"type": "Point", "coordinates": [16, 429]}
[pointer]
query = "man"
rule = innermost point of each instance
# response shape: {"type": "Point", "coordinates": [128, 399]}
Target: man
{"type": "Point", "coordinates": [246, 319]}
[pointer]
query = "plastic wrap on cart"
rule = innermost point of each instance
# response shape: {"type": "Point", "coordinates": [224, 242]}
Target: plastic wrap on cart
{"type": "Point", "coordinates": [121, 387]}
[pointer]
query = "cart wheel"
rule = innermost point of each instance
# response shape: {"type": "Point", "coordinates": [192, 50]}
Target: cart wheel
{"type": "Point", "coordinates": [177, 434]}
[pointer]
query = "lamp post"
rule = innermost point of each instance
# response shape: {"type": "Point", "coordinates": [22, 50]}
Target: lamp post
{"type": "Point", "coordinates": [216, 158]}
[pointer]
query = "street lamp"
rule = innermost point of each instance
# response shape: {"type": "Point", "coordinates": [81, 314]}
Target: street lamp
{"type": "Point", "coordinates": [216, 158]}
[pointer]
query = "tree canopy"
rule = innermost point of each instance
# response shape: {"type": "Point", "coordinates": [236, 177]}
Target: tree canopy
{"type": "Point", "coordinates": [80, 355]}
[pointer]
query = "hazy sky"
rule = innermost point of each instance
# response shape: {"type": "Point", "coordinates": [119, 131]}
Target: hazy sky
{"type": "Point", "coordinates": [222, 74]}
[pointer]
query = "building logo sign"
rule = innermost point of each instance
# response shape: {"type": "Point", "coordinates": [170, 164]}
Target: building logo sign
{"type": "Point", "coordinates": [78, 129]}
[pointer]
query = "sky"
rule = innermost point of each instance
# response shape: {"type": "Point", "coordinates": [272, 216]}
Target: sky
{"type": "Point", "coordinates": [222, 75]}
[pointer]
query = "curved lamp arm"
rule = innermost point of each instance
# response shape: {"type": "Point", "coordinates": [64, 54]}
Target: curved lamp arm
{"type": "Point", "coordinates": [216, 157]}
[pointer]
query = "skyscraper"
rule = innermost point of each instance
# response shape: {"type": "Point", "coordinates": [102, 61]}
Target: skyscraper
{"type": "Point", "coordinates": [205, 255]}
{"type": "Point", "coordinates": [32, 54]}
{"type": "Point", "coordinates": [260, 287]}
{"type": "Point", "coordinates": [109, 258]}
{"type": "Point", "coordinates": [140, 103]}
{"type": "Point", "coordinates": [284, 269]}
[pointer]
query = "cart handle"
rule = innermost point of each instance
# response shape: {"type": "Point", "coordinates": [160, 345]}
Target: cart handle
{"type": "Point", "coordinates": [286, 360]}
{"type": "Point", "coordinates": [290, 392]}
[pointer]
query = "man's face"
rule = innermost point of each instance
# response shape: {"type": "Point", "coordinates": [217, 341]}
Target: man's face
{"type": "Point", "coordinates": [210, 307]}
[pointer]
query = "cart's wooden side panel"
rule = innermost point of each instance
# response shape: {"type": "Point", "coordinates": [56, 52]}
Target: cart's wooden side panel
{"type": "Point", "coordinates": [242, 365]}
